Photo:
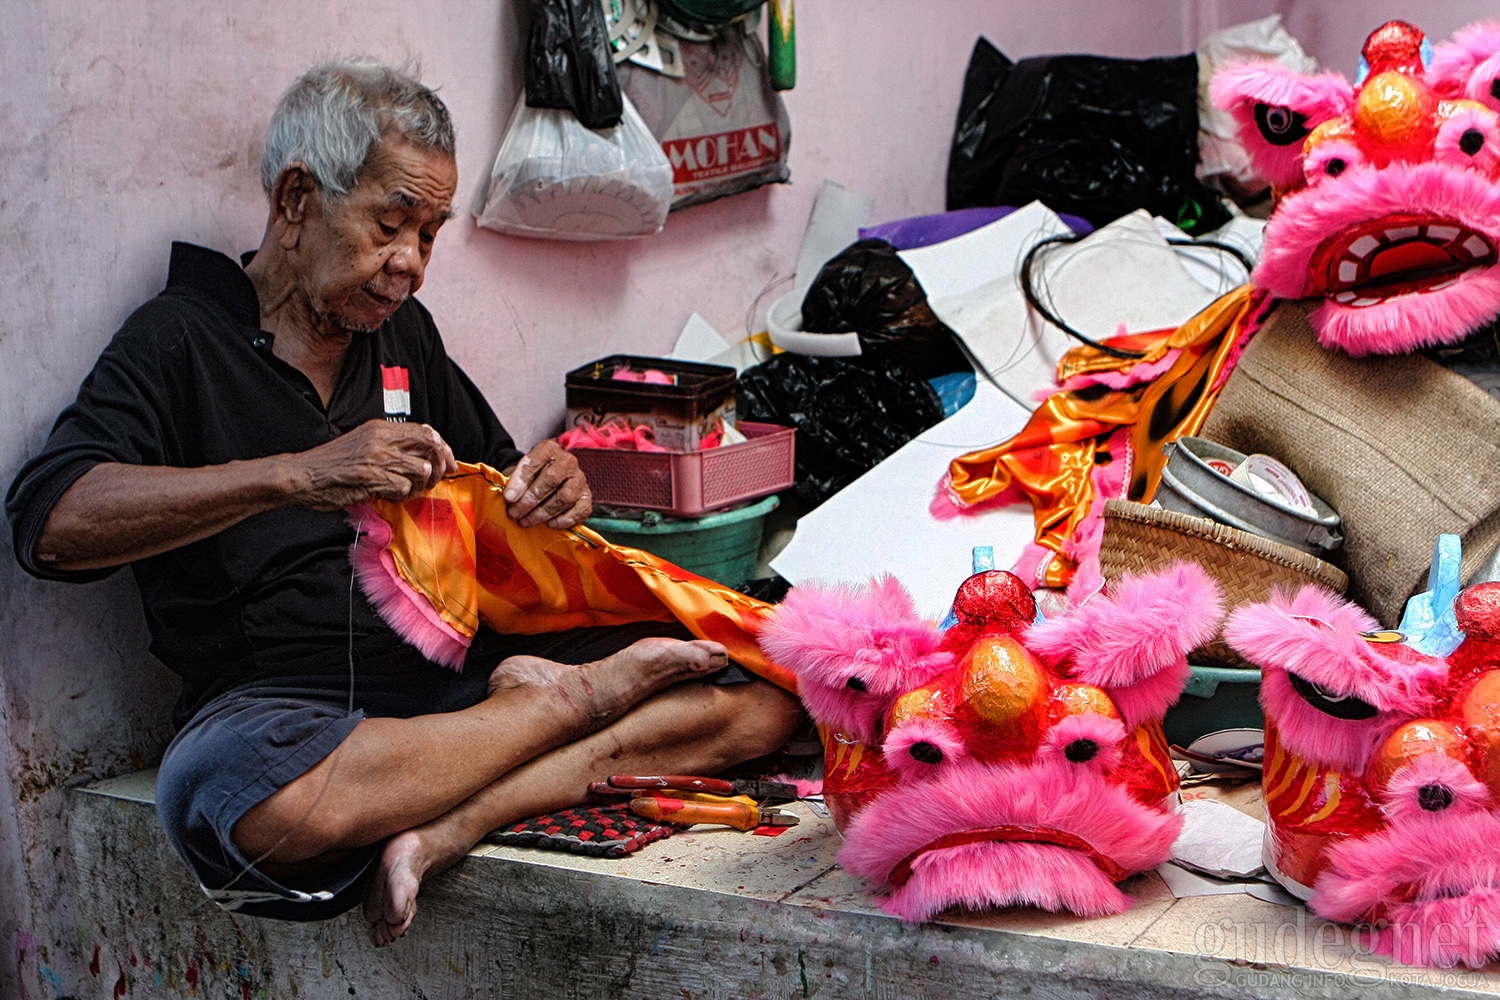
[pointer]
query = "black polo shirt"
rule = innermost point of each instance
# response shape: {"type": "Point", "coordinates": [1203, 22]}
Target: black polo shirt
{"type": "Point", "coordinates": [190, 380]}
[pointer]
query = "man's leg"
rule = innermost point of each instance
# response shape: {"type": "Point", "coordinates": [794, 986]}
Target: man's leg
{"type": "Point", "coordinates": [689, 729]}
{"type": "Point", "coordinates": [391, 775]}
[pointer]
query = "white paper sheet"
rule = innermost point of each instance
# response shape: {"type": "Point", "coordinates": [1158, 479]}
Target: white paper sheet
{"type": "Point", "coordinates": [1124, 273]}
{"type": "Point", "coordinates": [881, 523]}
{"type": "Point", "coordinates": [1213, 269]}
{"type": "Point", "coordinates": [986, 254]}
{"type": "Point", "coordinates": [698, 341]}
{"type": "Point", "coordinates": [836, 218]}
{"type": "Point", "coordinates": [1218, 839]}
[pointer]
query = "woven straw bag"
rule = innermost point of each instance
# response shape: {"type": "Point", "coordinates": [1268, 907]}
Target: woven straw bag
{"type": "Point", "coordinates": [1141, 539]}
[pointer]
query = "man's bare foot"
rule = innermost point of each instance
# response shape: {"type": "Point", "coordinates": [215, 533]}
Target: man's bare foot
{"type": "Point", "coordinates": [408, 858]}
{"type": "Point", "coordinates": [606, 689]}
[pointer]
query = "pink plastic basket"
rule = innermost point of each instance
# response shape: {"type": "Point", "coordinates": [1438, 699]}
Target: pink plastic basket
{"type": "Point", "coordinates": [690, 483]}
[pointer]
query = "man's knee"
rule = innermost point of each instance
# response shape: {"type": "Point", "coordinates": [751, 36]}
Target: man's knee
{"type": "Point", "coordinates": [289, 826]}
{"type": "Point", "coordinates": [756, 718]}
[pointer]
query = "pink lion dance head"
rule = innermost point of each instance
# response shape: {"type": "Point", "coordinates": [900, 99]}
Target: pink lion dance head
{"type": "Point", "coordinates": [1389, 206]}
{"type": "Point", "coordinates": [1382, 775]}
{"type": "Point", "coordinates": [1008, 763]}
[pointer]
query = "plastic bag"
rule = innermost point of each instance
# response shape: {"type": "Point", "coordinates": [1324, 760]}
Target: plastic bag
{"type": "Point", "coordinates": [569, 64]}
{"type": "Point", "coordinates": [555, 179]}
{"type": "Point", "coordinates": [850, 414]}
{"type": "Point", "coordinates": [722, 126]}
{"type": "Point", "coordinates": [1087, 135]}
{"type": "Point", "coordinates": [869, 290]}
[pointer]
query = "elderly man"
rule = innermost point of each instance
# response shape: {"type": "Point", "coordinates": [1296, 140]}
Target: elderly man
{"type": "Point", "coordinates": [214, 447]}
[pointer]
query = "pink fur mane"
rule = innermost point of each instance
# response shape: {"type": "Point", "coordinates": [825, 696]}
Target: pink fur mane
{"type": "Point", "coordinates": [1134, 638]}
{"type": "Point", "coordinates": [1237, 88]}
{"type": "Point", "coordinates": [1467, 66]}
{"type": "Point", "coordinates": [1055, 794]}
{"type": "Point", "coordinates": [870, 633]}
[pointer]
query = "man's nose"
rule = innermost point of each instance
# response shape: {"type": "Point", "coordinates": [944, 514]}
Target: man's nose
{"type": "Point", "coordinates": [406, 257]}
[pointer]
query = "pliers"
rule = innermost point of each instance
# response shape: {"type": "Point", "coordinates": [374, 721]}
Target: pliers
{"type": "Point", "coordinates": [679, 798]}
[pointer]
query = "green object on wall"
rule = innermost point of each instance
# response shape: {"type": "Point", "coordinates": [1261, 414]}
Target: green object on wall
{"type": "Point", "coordinates": [783, 34]}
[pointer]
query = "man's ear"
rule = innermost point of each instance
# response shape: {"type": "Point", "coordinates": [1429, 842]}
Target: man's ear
{"type": "Point", "coordinates": [292, 198]}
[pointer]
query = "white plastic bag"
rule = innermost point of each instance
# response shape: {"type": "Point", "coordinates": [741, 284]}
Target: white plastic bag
{"type": "Point", "coordinates": [555, 179]}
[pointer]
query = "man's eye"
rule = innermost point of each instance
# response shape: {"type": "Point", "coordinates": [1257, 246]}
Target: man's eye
{"type": "Point", "coordinates": [428, 237]}
{"type": "Point", "coordinates": [388, 230]}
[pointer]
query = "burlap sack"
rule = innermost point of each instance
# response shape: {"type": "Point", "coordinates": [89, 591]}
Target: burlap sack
{"type": "Point", "coordinates": [1401, 447]}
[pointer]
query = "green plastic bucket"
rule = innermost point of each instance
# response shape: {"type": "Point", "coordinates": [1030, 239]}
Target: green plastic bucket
{"type": "Point", "coordinates": [1215, 698]}
{"type": "Point", "coordinates": [722, 547]}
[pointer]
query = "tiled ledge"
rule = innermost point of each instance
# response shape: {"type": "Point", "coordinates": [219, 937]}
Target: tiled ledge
{"type": "Point", "coordinates": [711, 914]}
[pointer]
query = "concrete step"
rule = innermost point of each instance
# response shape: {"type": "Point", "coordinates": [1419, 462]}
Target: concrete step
{"type": "Point", "coordinates": [710, 914]}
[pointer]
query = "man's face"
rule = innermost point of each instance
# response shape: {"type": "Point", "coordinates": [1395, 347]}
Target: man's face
{"type": "Point", "coordinates": [358, 259]}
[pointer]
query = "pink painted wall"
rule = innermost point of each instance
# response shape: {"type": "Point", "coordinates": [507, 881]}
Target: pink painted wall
{"type": "Point", "coordinates": [126, 125]}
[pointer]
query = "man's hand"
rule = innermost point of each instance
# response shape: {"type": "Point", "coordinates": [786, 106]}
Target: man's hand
{"type": "Point", "coordinates": [376, 460]}
{"type": "Point", "coordinates": [547, 485]}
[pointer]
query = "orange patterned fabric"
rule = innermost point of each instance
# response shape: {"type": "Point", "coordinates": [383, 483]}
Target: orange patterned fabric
{"type": "Point", "coordinates": [1052, 459]}
{"type": "Point", "coordinates": [455, 546]}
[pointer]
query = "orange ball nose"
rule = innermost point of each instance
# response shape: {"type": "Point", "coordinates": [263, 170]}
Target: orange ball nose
{"type": "Point", "coordinates": [1394, 117]}
{"type": "Point", "coordinates": [1002, 682]}
{"type": "Point", "coordinates": [1481, 717]}
{"type": "Point", "coordinates": [1422, 736]}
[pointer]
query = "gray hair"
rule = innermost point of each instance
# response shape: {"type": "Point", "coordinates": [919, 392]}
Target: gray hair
{"type": "Point", "coordinates": [333, 116]}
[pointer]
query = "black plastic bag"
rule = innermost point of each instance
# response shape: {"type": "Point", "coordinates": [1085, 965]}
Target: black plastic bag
{"type": "Point", "coordinates": [568, 62]}
{"type": "Point", "coordinates": [869, 290]}
{"type": "Point", "coordinates": [850, 413]}
{"type": "Point", "coordinates": [1087, 135]}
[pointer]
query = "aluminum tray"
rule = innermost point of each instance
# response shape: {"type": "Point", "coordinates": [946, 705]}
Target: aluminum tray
{"type": "Point", "coordinates": [1190, 486]}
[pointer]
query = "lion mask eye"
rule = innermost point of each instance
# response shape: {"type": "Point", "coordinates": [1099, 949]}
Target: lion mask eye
{"type": "Point", "coordinates": [1279, 125]}
{"type": "Point", "coordinates": [855, 684]}
{"type": "Point", "coordinates": [1325, 701]}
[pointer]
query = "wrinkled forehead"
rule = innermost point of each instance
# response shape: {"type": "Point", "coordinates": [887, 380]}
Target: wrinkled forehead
{"type": "Point", "coordinates": [409, 177]}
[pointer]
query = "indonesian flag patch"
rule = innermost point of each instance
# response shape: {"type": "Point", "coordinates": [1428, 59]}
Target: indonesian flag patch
{"type": "Point", "coordinates": [397, 384]}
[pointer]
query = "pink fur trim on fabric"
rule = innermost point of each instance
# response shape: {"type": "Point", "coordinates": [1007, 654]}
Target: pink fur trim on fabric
{"type": "Point", "coordinates": [1238, 87]}
{"type": "Point", "coordinates": [1145, 371]}
{"type": "Point", "coordinates": [945, 505]}
{"type": "Point", "coordinates": [1061, 796]}
{"type": "Point", "coordinates": [1082, 547]}
{"type": "Point", "coordinates": [1106, 733]}
{"type": "Point", "coordinates": [1315, 634]}
{"type": "Point", "coordinates": [1453, 863]}
{"type": "Point", "coordinates": [407, 612]}
{"type": "Point", "coordinates": [1134, 638]}
{"type": "Point", "coordinates": [827, 635]}
{"type": "Point", "coordinates": [979, 876]}
{"type": "Point", "coordinates": [1467, 66]}
{"type": "Point", "coordinates": [937, 732]}
{"type": "Point", "coordinates": [1305, 219]}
